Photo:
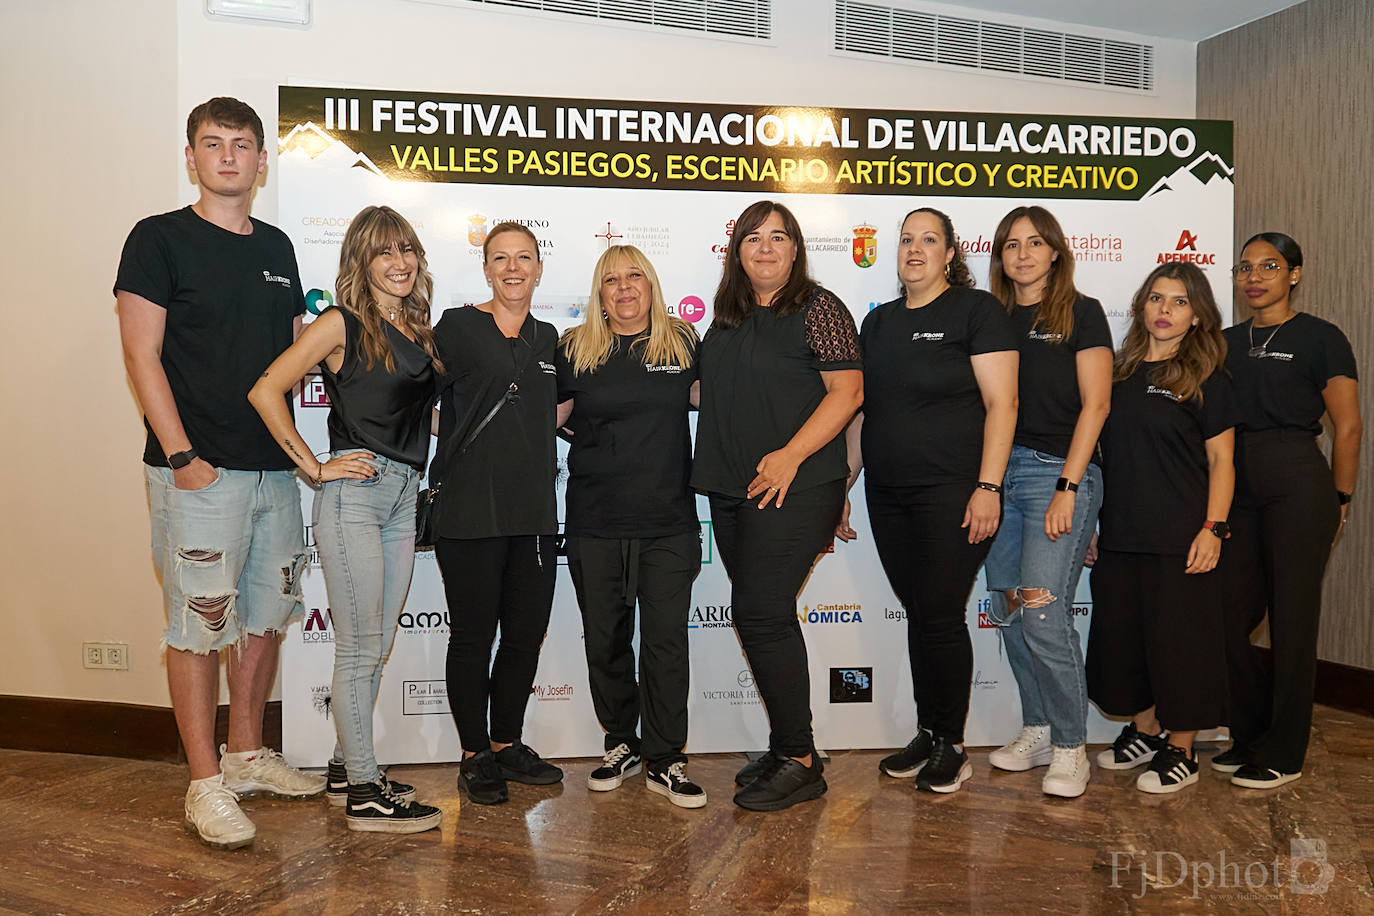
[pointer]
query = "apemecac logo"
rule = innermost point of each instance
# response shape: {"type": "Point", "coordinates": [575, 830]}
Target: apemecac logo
{"type": "Point", "coordinates": [1186, 251]}
{"type": "Point", "coordinates": [851, 685]}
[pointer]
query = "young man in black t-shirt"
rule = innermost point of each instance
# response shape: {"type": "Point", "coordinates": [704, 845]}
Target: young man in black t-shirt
{"type": "Point", "coordinates": [207, 297]}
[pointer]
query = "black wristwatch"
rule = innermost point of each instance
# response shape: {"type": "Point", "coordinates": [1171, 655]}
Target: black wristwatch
{"type": "Point", "coordinates": [178, 460]}
{"type": "Point", "coordinates": [1065, 484]}
{"type": "Point", "coordinates": [1343, 497]}
{"type": "Point", "coordinates": [1220, 529]}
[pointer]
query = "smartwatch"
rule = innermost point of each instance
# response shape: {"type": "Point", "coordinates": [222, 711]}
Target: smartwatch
{"type": "Point", "coordinates": [179, 460]}
{"type": "Point", "coordinates": [1220, 529]}
{"type": "Point", "coordinates": [1065, 484]}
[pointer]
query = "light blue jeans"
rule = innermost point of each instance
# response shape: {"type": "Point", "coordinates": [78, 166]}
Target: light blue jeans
{"type": "Point", "coordinates": [1042, 645]}
{"type": "Point", "coordinates": [365, 533]}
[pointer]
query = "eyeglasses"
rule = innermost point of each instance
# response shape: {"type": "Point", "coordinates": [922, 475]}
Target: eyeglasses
{"type": "Point", "coordinates": [1265, 270]}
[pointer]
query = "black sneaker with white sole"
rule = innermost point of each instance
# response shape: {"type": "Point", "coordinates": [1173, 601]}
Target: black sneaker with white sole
{"type": "Point", "coordinates": [1230, 760]}
{"type": "Point", "coordinates": [1252, 776]}
{"type": "Point", "coordinates": [372, 808]}
{"type": "Point", "coordinates": [909, 760]}
{"type": "Point", "coordinates": [1171, 769]}
{"type": "Point", "coordinates": [1132, 748]}
{"type": "Point", "coordinates": [618, 764]}
{"type": "Point", "coordinates": [672, 783]}
{"type": "Point", "coordinates": [946, 770]}
{"type": "Point", "coordinates": [336, 786]}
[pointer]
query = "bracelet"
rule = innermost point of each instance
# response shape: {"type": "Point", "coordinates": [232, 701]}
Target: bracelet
{"type": "Point", "coordinates": [318, 480]}
{"type": "Point", "coordinates": [1064, 484]}
{"type": "Point", "coordinates": [990, 487]}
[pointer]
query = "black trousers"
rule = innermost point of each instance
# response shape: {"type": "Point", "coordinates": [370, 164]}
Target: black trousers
{"type": "Point", "coordinates": [1156, 639]}
{"type": "Point", "coordinates": [610, 575]}
{"type": "Point", "coordinates": [931, 567]}
{"type": "Point", "coordinates": [491, 582]}
{"type": "Point", "coordinates": [1283, 521]}
{"type": "Point", "coordinates": [768, 553]}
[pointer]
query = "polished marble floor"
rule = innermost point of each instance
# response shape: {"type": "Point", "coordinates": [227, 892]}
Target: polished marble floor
{"type": "Point", "coordinates": [104, 836]}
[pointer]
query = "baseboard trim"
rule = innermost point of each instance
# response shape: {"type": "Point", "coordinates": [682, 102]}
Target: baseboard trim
{"type": "Point", "coordinates": [1345, 687]}
{"type": "Point", "coordinates": [108, 729]}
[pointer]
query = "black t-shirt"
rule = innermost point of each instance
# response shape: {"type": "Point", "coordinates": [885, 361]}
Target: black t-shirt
{"type": "Point", "coordinates": [760, 383]}
{"type": "Point", "coordinates": [1281, 388]}
{"type": "Point", "coordinates": [502, 486]}
{"type": "Point", "coordinates": [1048, 377]}
{"type": "Point", "coordinates": [923, 410]}
{"type": "Point", "coordinates": [383, 412]}
{"type": "Point", "coordinates": [631, 456]}
{"type": "Point", "coordinates": [1154, 462]}
{"type": "Point", "coordinates": [231, 303]}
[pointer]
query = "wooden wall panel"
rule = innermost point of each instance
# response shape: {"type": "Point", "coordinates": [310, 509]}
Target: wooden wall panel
{"type": "Point", "coordinates": [1299, 86]}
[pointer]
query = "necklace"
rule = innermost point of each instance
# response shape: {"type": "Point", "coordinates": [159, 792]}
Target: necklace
{"type": "Point", "coordinates": [1263, 349]}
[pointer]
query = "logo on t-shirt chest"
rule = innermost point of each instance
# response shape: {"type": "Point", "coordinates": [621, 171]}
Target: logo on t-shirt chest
{"type": "Point", "coordinates": [270, 277]}
{"type": "Point", "coordinates": [932, 336]}
{"type": "Point", "coordinates": [1261, 353]}
{"type": "Point", "coordinates": [1163, 392]}
{"type": "Point", "coordinates": [671, 369]}
{"type": "Point", "coordinates": [1046, 336]}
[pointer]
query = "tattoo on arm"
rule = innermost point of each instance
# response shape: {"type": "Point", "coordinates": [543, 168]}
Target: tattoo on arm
{"type": "Point", "coordinates": [292, 449]}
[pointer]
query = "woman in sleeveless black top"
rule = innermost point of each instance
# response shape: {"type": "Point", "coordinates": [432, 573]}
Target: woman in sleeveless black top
{"type": "Point", "coordinates": [376, 352]}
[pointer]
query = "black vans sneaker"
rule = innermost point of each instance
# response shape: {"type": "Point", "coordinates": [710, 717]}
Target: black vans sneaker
{"type": "Point", "coordinates": [946, 770]}
{"type": "Point", "coordinates": [1132, 748]}
{"type": "Point", "coordinates": [672, 783]}
{"type": "Point", "coordinates": [372, 808]}
{"type": "Point", "coordinates": [909, 760]}
{"type": "Point", "coordinates": [1170, 770]}
{"type": "Point", "coordinates": [519, 763]}
{"type": "Point", "coordinates": [336, 786]}
{"type": "Point", "coordinates": [618, 763]}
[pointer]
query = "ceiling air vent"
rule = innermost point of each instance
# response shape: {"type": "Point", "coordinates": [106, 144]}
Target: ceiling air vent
{"type": "Point", "coordinates": [956, 41]}
{"type": "Point", "coordinates": [732, 18]}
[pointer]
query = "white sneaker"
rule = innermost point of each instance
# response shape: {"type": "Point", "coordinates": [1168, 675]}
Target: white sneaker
{"type": "Point", "coordinates": [213, 813]}
{"type": "Point", "coordinates": [1069, 773]}
{"type": "Point", "coordinates": [1027, 750]}
{"type": "Point", "coordinates": [265, 772]}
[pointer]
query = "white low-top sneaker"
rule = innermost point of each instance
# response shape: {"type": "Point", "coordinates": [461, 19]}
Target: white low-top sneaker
{"type": "Point", "coordinates": [1068, 774]}
{"type": "Point", "coordinates": [213, 814]}
{"type": "Point", "coordinates": [265, 772]}
{"type": "Point", "coordinates": [1030, 749]}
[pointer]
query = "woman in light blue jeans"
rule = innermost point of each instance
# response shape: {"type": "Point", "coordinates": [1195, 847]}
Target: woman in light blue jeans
{"type": "Point", "coordinates": [377, 357]}
{"type": "Point", "coordinates": [1052, 493]}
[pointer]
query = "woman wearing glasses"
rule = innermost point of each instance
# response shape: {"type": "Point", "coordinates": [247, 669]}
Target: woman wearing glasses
{"type": "Point", "coordinates": [1289, 368]}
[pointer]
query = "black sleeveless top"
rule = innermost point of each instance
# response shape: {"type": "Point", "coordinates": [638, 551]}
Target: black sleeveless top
{"type": "Point", "coordinates": [383, 412]}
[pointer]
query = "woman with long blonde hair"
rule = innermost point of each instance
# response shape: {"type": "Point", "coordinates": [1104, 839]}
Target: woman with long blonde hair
{"type": "Point", "coordinates": [627, 377]}
{"type": "Point", "coordinates": [377, 354]}
{"type": "Point", "coordinates": [1155, 649]}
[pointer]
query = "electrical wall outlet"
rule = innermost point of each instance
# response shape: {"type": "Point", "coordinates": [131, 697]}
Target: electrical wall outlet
{"type": "Point", "coordinates": [113, 656]}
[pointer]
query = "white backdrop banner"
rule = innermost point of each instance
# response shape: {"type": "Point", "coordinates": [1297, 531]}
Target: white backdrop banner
{"type": "Point", "coordinates": [671, 178]}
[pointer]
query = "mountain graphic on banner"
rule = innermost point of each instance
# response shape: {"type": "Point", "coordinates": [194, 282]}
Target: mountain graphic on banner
{"type": "Point", "coordinates": [306, 141]}
{"type": "Point", "coordinates": [1202, 171]}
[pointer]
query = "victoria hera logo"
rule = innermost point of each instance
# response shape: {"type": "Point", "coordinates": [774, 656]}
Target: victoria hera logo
{"type": "Point", "coordinates": [865, 250]}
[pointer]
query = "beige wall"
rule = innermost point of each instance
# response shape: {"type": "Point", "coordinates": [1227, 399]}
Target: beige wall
{"type": "Point", "coordinates": [95, 95]}
{"type": "Point", "coordinates": [1300, 88]}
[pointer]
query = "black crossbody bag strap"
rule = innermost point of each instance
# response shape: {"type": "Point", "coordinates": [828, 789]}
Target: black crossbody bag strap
{"type": "Point", "coordinates": [447, 452]}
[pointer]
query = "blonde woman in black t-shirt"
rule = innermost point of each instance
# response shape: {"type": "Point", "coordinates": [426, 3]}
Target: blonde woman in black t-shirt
{"type": "Point", "coordinates": [780, 377]}
{"type": "Point", "coordinates": [1155, 646]}
{"type": "Point", "coordinates": [1290, 369]}
{"type": "Point", "coordinates": [378, 358]}
{"type": "Point", "coordinates": [1053, 490]}
{"type": "Point", "coordinates": [934, 438]}
{"type": "Point", "coordinates": [626, 381]}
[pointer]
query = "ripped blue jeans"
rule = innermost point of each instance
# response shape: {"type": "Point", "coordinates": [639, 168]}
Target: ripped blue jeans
{"type": "Point", "coordinates": [229, 555]}
{"type": "Point", "coordinates": [1042, 645]}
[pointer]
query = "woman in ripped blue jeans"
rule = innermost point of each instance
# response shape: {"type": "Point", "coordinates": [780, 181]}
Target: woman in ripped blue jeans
{"type": "Point", "coordinates": [1052, 492]}
{"type": "Point", "coordinates": [376, 352]}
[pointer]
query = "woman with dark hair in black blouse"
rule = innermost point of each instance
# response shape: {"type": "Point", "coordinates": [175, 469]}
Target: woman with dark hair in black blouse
{"type": "Point", "coordinates": [780, 379]}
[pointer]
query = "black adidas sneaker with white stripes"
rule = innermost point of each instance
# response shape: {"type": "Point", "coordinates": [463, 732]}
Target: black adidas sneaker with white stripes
{"type": "Point", "coordinates": [1170, 770]}
{"type": "Point", "coordinates": [374, 808]}
{"type": "Point", "coordinates": [1132, 748]}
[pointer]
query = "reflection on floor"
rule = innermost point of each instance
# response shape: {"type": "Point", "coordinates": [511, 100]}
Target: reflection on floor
{"type": "Point", "coordinates": [102, 835]}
